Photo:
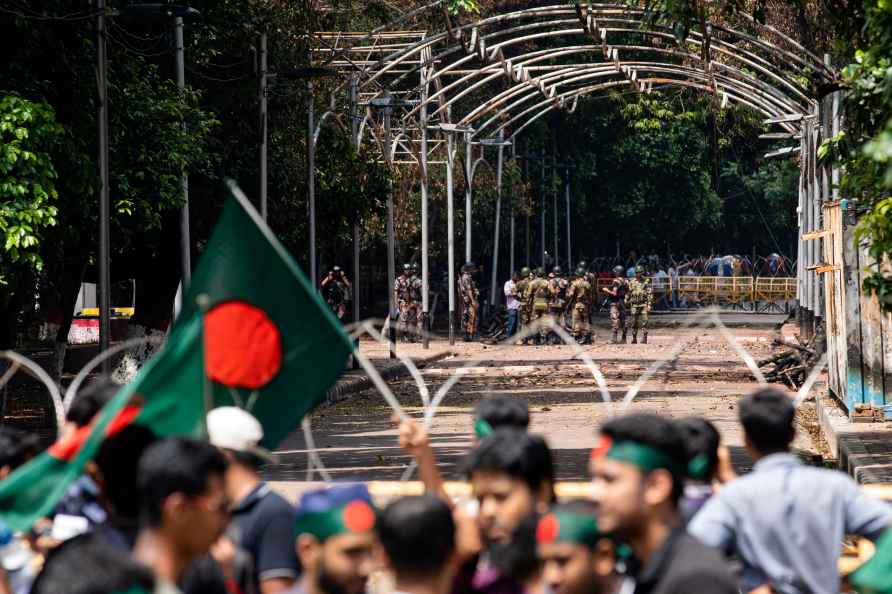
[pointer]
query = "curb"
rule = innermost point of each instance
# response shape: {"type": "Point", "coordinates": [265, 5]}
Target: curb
{"type": "Point", "coordinates": [861, 450]}
{"type": "Point", "coordinates": [346, 388]}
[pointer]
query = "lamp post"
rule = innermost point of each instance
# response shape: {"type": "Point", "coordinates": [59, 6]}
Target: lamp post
{"type": "Point", "coordinates": [451, 130]}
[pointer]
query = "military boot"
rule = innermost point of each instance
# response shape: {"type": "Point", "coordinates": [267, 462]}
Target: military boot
{"type": "Point", "coordinates": [615, 339]}
{"type": "Point", "coordinates": [634, 338]}
{"type": "Point", "coordinates": [644, 338]}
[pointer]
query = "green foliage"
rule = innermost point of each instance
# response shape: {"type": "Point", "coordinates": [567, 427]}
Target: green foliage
{"type": "Point", "coordinates": [460, 6]}
{"type": "Point", "coordinates": [865, 151]}
{"type": "Point", "coordinates": [28, 192]}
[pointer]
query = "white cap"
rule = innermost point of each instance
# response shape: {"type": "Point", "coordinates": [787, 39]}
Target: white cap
{"type": "Point", "coordinates": [232, 428]}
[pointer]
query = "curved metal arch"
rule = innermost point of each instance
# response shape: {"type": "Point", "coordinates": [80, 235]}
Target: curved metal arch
{"type": "Point", "coordinates": [557, 77]}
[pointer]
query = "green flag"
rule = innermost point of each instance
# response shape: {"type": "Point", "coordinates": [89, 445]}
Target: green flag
{"type": "Point", "coordinates": [875, 575]}
{"type": "Point", "coordinates": [252, 333]}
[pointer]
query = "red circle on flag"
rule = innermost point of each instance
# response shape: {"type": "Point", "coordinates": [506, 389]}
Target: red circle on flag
{"type": "Point", "coordinates": [358, 516]}
{"type": "Point", "coordinates": [548, 529]}
{"type": "Point", "coordinates": [243, 347]}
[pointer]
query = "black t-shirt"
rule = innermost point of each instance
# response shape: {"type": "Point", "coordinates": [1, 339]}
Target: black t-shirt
{"type": "Point", "coordinates": [682, 565]}
{"type": "Point", "coordinates": [263, 525]}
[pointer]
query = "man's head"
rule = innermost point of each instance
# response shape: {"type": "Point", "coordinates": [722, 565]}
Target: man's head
{"type": "Point", "coordinates": [701, 440]}
{"type": "Point", "coordinates": [512, 474]}
{"type": "Point", "coordinates": [576, 557]}
{"type": "Point", "coordinates": [639, 272]}
{"type": "Point", "coordinates": [495, 412]}
{"type": "Point", "coordinates": [540, 272]}
{"type": "Point", "coordinates": [117, 471]}
{"type": "Point", "coordinates": [180, 483]}
{"type": "Point", "coordinates": [767, 417]}
{"type": "Point", "coordinates": [619, 271]}
{"type": "Point", "coordinates": [407, 268]}
{"type": "Point", "coordinates": [238, 435]}
{"type": "Point", "coordinates": [525, 272]}
{"type": "Point", "coordinates": [515, 276]}
{"type": "Point", "coordinates": [638, 471]}
{"type": "Point", "coordinates": [16, 448]}
{"type": "Point", "coordinates": [557, 270]}
{"type": "Point", "coordinates": [88, 402]}
{"type": "Point", "coordinates": [417, 535]}
{"type": "Point", "coordinates": [335, 539]}
{"type": "Point", "coordinates": [87, 564]}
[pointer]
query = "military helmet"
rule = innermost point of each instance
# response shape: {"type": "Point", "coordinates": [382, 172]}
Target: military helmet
{"type": "Point", "coordinates": [580, 271]}
{"type": "Point", "coordinates": [525, 271]}
{"type": "Point", "coordinates": [556, 270]}
{"type": "Point", "coordinates": [336, 269]}
{"type": "Point", "coordinates": [407, 267]}
{"type": "Point", "coordinates": [540, 271]}
{"type": "Point", "coordinates": [468, 266]}
{"type": "Point", "coordinates": [639, 270]}
{"type": "Point", "coordinates": [618, 269]}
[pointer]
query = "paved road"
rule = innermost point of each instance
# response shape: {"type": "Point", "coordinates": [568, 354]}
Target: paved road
{"type": "Point", "coordinates": [357, 441]}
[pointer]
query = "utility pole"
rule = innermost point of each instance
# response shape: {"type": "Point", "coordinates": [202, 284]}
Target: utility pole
{"type": "Point", "coordinates": [185, 242]}
{"type": "Point", "coordinates": [104, 209]}
{"type": "Point", "coordinates": [500, 142]}
{"type": "Point", "coordinates": [425, 285]}
{"type": "Point", "coordinates": [569, 242]}
{"type": "Point", "coordinates": [450, 233]}
{"type": "Point", "coordinates": [311, 178]}
{"type": "Point", "coordinates": [511, 239]}
{"type": "Point", "coordinates": [469, 180]}
{"type": "Point", "coordinates": [354, 142]}
{"type": "Point", "coordinates": [391, 262]}
{"type": "Point", "coordinates": [542, 196]}
{"type": "Point", "coordinates": [263, 125]}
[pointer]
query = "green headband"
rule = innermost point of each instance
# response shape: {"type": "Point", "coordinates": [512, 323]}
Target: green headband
{"type": "Point", "coordinates": [482, 428]}
{"type": "Point", "coordinates": [638, 454]}
{"type": "Point", "coordinates": [568, 527]}
{"type": "Point", "coordinates": [355, 516]}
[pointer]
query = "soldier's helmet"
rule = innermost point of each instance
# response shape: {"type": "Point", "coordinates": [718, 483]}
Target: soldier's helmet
{"type": "Point", "coordinates": [639, 270]}
{"type": "Point", "coordinates": [583, 265]}
{"type": "Point", "coordinates": [540, 272]}
{"type": "Point", "coordinates": [618, 270]}
{"type": "Point", "coordinates": [525, 271]}
{"type": "Point", "coordinates": [336, 269]}
{"type": "Point", "coordinates": [407, 267]}
{"type": "Point", "coordinates": [556, 270]}
{"type": "Point", "coordinates": [468, 267]}
{"type": "Point", "coordinates": [413, 266]}
{"type": "Point", "coordinates": [580, 271]}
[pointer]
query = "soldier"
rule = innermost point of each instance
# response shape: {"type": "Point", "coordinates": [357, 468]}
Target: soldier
{"type": "Point", "coordinates": [403, 300]}
{"type": "Point", "coordinates": [525, 277]}
{"type": "Point", "coordinates": [579, 298]}
{"type": "Point", "coordinates": [536, 297]}
{"type": "Point", "coordinates": [415, 289]}
{"type": "Point", "coordinates": [557, 302]}
{"type": "Point", "coordinates": [336, 291]}
{"type": "Point", "coordinates": [616, 295]}
{"type": "Point", "coordinates": [640, 299]}
{"type": "Point", "coordinates": [592, 280]}
{"type": "Point", "coordinates": [467, 290]}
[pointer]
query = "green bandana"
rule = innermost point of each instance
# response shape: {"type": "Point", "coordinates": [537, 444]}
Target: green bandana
{"type": "Point", "coordinates": [568, 527]}
{"type": "Point", "coordinates": [482, 428]}
{"type": "Point", "coordinates": [355, 516]}
{"type": "Point", "coordinates": [638, 454]}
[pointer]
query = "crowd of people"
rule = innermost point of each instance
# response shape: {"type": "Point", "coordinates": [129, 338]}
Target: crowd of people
{"type": "Point", "coordinates": [666, 515]}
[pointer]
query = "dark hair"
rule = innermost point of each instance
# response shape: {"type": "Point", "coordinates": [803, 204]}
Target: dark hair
{"type": "Point", "coordinates": [657, 432]}
{"type": "Point", "coordinates": [175, 465]}
{"type": "Point", "coordinates": [701, 438]}
{"type": "Point", "coordinates": [517, 453]}
{"type": "Point", "coordinates": [247, 459]}
{"type": "Point", "coordinates": [86, 564]}
{"type": "Point", "coordinates": [418, 535]}
{"type": "Point", "coordinates": [16, 446]}
{"type": "Point", "coordinates": [116, 459]}
{"type": "Point", "coordinates": [767, 418]}
{"type": "Point", "coordinates": [504, 411]}
{"type": "Point", "coordinates": [90, 401]}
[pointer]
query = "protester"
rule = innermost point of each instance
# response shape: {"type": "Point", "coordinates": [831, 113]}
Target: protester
{"type": "Point", "coordinates": [785, 520]}
{"type": "Point", "coordinates": [638, 471]}
{"type": "Point", "coordinates": [16, 567]}
{"type": "Point", "coordinates": [707, 461]}
{"type": "Point", "coordinates": [494, 412]}
{"type": "Point", "coordinates": [576, 557]}
{"type": "Point", "coordinates": [417, 535]}
{"type": "Point", "coordinates": [262, 521]}
{"type": "Point", "coordinates": [183, 507]}
{"type": "Point", "coordinates": [87, 564]}
{"type": "Point", "coordinates": [512, 476]}
{"type": "Point", "coordinates": [512, 304]}
{"type": "Point", "coordinates": [335, 540]}
{"type": "Point", "coordinates": [16, 448]}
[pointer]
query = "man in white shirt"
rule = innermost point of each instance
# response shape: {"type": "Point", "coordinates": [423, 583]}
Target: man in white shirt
{"type": "Point", "coordinates": [512, 303]}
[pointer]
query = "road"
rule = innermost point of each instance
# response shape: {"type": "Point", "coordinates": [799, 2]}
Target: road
{"type": "Point", "coordinates": [357, 441]}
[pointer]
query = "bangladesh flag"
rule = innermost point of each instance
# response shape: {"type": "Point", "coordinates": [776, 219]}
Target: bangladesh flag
{"type": "Point", "coordinates": [252, 333]}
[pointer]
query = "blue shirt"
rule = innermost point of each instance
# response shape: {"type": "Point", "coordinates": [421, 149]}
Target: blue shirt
{"type": "Point", "coordinates": [786, 522]}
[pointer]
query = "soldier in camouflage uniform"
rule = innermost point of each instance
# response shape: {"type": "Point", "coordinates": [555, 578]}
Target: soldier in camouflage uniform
{"type": "Point", "coordinates": [536, 299]}
{"type": "Point", "coordinates": [592, 280]}
{"type": "Point", "coordinates": [403, 301]}
{"type": "Point", "coordinates": [415, 287]}
{"type": "Point", "coordinates": [467, 290]}
{"type": "Point", "coordinates": [640, 299]}
{"type": "Point", "coordinates": [525, 277]}
{"type": "Point", "coordinates": [557, 303]}
{"type": "Point", "coordinates": [579, 297]}
{"type": "Point", "coordinates": [616, 297]}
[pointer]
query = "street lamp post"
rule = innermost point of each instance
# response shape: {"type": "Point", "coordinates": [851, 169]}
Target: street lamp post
{"type": "Point", "coordinates": [104, 208]}
{"type": "Point", "coordinates": [500, 143]}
